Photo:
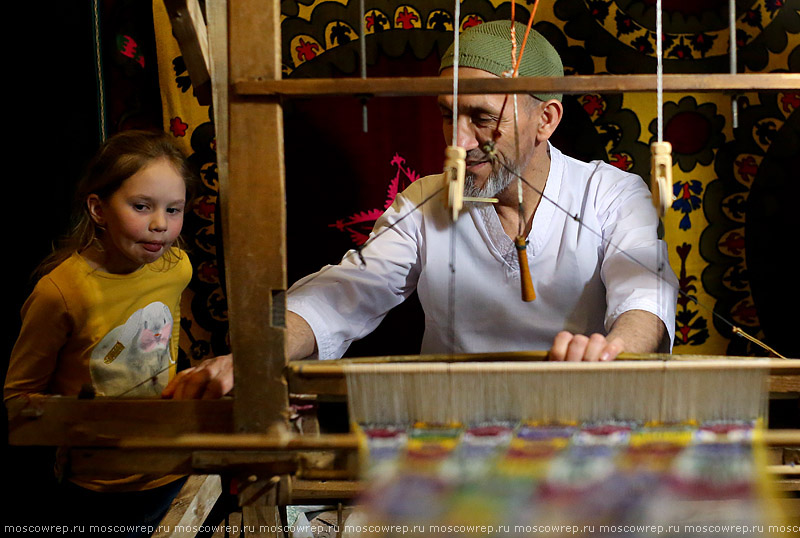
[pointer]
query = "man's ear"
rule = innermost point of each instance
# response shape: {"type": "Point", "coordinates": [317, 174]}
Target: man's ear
{"type": "Point", "coordinates": [551, 113]}
{"type": "Point", "coordinates": [95, 206]}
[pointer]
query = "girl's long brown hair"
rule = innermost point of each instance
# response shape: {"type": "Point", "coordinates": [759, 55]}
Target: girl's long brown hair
{"type": "Point", "coordinates": [120, 157]}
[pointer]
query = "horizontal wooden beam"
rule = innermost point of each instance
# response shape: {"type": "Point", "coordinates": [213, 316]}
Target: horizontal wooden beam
{"type": "Point", "coordinates": [56, 421]}
{"type": "Point", "coordinates": [782, 438]}
{"type": "Point", "coordinates": [327, 377]}
{"type": "Point", "coordinates": [105, 462]}
{"type": "Point", "coordinates": [319, 457]}
{"type": "Point", "coordinates": [314, 491]}
{"type": "Point", "coordinates": [243, 441]}
{"type": "Point", "coordinates": [578, 84]}
{"type": "Point", "coordinates": [335, 483]}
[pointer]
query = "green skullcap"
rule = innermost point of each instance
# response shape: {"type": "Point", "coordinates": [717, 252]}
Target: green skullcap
{"type": "Point", "coordinates": [488, 47]}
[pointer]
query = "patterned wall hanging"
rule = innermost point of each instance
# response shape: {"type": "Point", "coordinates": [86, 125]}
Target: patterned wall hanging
{"type": "Point", "coordinates": [204, 310]}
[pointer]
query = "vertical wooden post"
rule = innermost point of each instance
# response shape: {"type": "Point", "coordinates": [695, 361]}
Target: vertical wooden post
{"type": "Point", "coordinates": [254, 222]}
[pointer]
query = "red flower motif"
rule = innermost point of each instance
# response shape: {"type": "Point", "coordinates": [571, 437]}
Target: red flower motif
{"type": "Point", "coordinates": [406, 19]}
{"type": "Point", "coordinates": [593, 104]}
{"type": "Point", "coordinates": [747, 168]}
{"type": "Point", "coordinates": [360, 224]}
{"type": "Point", "coordinates": [205, 207]}
{"type": "Point", "coordinates": [306, 51]}
{"type": "Point", "coordinates": [471, 21]}
{"type": "Point", "coordinates": [733, 243]}
{"type": "Point", "coordinates": [745, 313]}
{"type": "Point", "coordinates": [177, 127]}
{"type": "Point", "coordinates": [622, 161]}
{"type": "Point", "coordinates": [130, 49]}
{"type": "Point", "coordinates": [208, 272]}
{"type": "Point", "coordinates": [790, 101]}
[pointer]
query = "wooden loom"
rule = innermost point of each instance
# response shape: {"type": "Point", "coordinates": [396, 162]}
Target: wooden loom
{"type": "Point", "coordinates": [247, 435]}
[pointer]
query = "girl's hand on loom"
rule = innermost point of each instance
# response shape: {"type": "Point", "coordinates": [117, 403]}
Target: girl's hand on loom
{"type": "Point", "coordinates": [578, 347]}
{"type": "Point", "coordinates": [209, 380]}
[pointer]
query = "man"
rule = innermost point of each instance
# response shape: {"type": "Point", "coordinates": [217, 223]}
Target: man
{"type": "Point", "coordinates": [595, 275]}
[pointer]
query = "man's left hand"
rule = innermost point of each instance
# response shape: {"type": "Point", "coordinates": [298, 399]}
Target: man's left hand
{"type": "Point", "coordinates": [579, 347]}
{"type": "Point", "coordinates": [634, 331]}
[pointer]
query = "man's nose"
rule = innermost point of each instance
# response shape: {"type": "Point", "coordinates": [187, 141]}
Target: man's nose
{"type": "Point", "coordinates": [466, 135]}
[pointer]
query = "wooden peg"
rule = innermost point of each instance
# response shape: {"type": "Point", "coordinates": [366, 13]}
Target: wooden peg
{"type": "Point", "coordinates": [454, 170]}
{"type": "Point", "coordinates": [661, 176]}
{"type": "Point", "coordinates": [528, 293]}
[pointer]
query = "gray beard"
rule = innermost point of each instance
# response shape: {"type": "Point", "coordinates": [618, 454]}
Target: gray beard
{"type": "Point", "coordinates": [499, 180]}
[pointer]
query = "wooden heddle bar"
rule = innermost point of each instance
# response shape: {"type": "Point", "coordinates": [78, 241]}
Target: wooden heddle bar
{"type": "Point", "coordinates": [575, 84]}
{"type": "Point", "coordinates": [328, 377]}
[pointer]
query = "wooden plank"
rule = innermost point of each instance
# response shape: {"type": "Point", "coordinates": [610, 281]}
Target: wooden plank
{"type": "Point", "coordinates": [791, 509]}
{"type": "Point", "coordinates": [231, 527]}
{"type": "Point", "coordinates": [787, 484]}
{"type": "Point", "coordinates": [247, 463]}
{"type": "Point", "coordinates": [578, 84]}
{"type": "Point", "coordinates": [314, 377]}
{"type": "Point", "coordinates": [262, 442]}
{"type": "Point", "coordinates": [189, 29]}
{"type": "Point", "coordinates": [259, 500]}
{"type": "Point", "coordinates": [191, 507]}
{"type": "Point", "coordinates": [217, 15]}
{"type": "Point", "coordinates": [315, 491]}
{"type": "Point", "coordinates": [784, 470]}
{"type": "Point", "coordinates": [774, 455]}
{"type": "Point", "coordinates": [105, 462]}
{"type": "Point", "coordinates": [784, 383]}
{"type": "Point", "coordinates": [777, 366]}
{"type": "Point", "coordinates": [255, 220]}
{"type": "Point", "coordinates": [69, 421]}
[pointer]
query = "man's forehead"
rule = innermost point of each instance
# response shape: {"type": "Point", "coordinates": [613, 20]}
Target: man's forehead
{"type": "Point", "coordinates": [476, 101]}
{"type": "Point", "coordinates": [468, 103]}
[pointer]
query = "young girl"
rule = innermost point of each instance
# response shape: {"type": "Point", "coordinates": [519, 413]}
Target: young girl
{"type": "Point", "coordinates": [105, 313]}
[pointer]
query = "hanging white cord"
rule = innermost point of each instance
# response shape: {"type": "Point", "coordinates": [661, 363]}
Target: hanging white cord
{"type": "Point", "coordinates": [660, 104]}
{"type": "Point", "coordinates": [451, 329]}
{"type": "Point", "coordinates": [520, 209]}
{"type": "Point", "coordinates": [732, 28]}
{"type": "Point", "coordinates": [456, 28]}
{"type": "Point", "coordinates": [98, 58]}
{"type": "Point", "coordinates": [733, 59]}
{"type": "Point", "coordinates": [362, 28]}
{"type": "Point", "coordinates": [659, 73]}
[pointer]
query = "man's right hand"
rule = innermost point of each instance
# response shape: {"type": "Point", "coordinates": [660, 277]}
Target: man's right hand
{"type": "Point", "coordinates": [213, 378]}
{"type": "Point", "coordinates": [209, 380]}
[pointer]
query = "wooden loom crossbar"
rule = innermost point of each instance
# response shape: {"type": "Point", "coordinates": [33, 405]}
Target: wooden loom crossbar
{"type": "Point", "coordinates": [576, 84]}
{"type": "Point", "coordinates": [305, 377]}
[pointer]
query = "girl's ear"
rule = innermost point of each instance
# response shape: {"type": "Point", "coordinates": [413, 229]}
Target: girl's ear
{"type": "Point", "coordinates": [95, 206]}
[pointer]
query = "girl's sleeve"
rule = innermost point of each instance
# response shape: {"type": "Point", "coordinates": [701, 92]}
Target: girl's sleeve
{"type": "Point", "coordinates": [45, 329]}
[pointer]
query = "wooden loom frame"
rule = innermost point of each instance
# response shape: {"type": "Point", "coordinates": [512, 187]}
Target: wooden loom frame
{"type": "Point", "coordinates": [245, 38]}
